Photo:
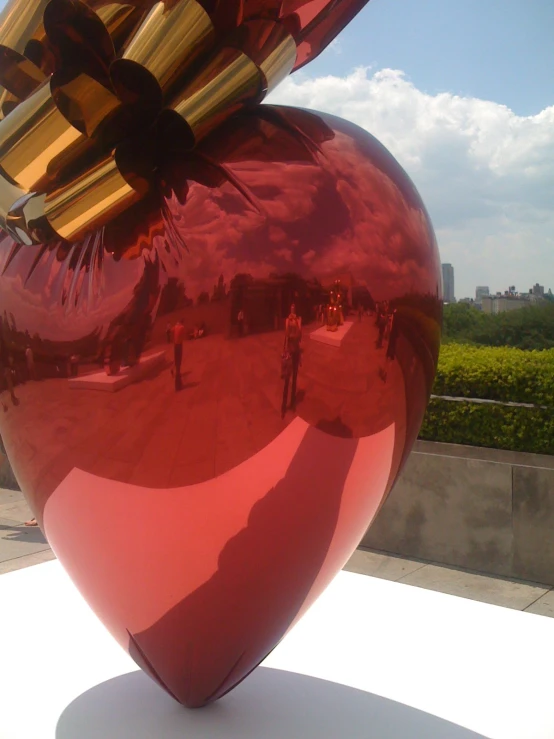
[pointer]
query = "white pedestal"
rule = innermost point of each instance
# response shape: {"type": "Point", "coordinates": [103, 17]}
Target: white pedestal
{"type": "Point", "coordinates": [372, 659]}
{"type": "Point", "coordinates": [333, 338]}
{"type": "Point", "coordinates": [113, 383]}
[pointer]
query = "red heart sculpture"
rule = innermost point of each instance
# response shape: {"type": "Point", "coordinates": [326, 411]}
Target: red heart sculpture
{"type": "Point", "coordinates": [199, 514]}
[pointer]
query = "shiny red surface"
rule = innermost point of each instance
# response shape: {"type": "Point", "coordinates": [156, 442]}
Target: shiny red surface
{"type": "Point", "coordinates": [80, 40]}
{"type": "Point", "coordinates": [199, 521]}
{"type": "Point", "coordinates": [313, 23]}
{"type": "Point", "coordinates": [319, 22]}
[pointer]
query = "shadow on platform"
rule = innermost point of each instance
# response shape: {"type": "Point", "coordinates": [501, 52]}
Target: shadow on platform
{"type": "Point", "coordinates": [271, 704]}
{"type": "Point", "coordinates": [17, 532]}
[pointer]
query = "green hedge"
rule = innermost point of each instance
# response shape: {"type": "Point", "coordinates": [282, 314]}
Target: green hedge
{"type": "Point", "coordinates": [496, 426]}
{"type": "Point", "coordinates": [496, 373]}
{"type": "Point", "coordinates": [503, 374]}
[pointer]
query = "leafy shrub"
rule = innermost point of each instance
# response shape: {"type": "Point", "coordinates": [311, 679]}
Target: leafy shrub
{"type": "Point", "coordinates": [500, 427]}
{"type": "Point", "coordinates": [496, 373]}
{"type": "Point", "coordinates": [502, 374]}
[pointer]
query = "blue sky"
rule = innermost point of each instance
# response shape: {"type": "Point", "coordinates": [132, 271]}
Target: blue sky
{"type": "Point", "coordinates": [462, 93]}
{"type": "Point", "coordinates": [501, 50]}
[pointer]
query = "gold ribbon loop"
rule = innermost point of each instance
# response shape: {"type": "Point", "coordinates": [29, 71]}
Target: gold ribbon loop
{"type": "Point", "coordinates": [18, 74]}
{"type": "Point", "coordinates": [20, 23]}
{"type": "Point", "coordinates": [171, 38]}
{"type": "Point", "coordinates": [76, 151]}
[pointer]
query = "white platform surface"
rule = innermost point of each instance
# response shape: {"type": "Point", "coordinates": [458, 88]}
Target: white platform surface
{"type": "Point", "coordinates": [333, 338]}
{"type": "Point", "coordinates": [372, 659]}
{"type": "Point", "coordinates": [113, 383]}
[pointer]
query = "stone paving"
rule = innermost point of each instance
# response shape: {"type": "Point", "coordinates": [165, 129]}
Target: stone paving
{"type": "Point", "coordinates": [517, 594]}
{"type": "Point", "coordinates": [21, 546]}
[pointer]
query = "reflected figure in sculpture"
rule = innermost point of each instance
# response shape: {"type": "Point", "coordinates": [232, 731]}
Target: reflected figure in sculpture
{"type": "Point", "coordinates": [393, 332]}
{"type": "Point", "coordinates": [74, 365]}
{"type": "Point", "coordinates": [30, 363]}
{"type": "Point", "coordinates": [335, 308]}
{"type": "Point", "coordinates": [240, 322]}
{"type": "Point", "coordinates": [6, 373]}
{"type": "Point", "coordinates": [293, 339]}
{"type": "Point", "coordinates": [382, 322]}
{"type": "Point", "coordinates": [178, 339]}
{"type": "Point", "coordinates": [198, 332]}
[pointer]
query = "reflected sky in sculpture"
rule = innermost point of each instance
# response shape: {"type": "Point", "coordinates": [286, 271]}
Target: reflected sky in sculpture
{"type": "Point", "coordinates": [246, 234]}
{"type": "Point", "coordinates": [312, 214]}
{"type": "Point", "coordinates": [260, 201]}
{"type": "Point", "coordinates": [269, 215]}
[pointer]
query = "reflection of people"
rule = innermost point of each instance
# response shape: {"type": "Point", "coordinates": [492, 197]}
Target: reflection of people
{"type": "Point", "coordinates": [198, 332]}
{"type": "Point", "coordinates": [393, 331]}
{"type": "Point", "coordinates": [112, 364]}
{"type": "Point", "coordinates": [335, 317]}
{"type": "Point", "coordinates": [178, 338]}
{"type": "Point", "coordinates": [30, 362]}
{"type": "Point", "coordinates": [168, 333]}
{"type": "Point", "coordinates": [393, 336]}
{"type": "Point", "coordinates": [382, 321]}
{"type": "Point", "coordinates": [74, 365]}
{"type": "Point", "coordinates": [293, 338]}
{"type": "Point", "coordinates": [6, 371]}
{"type": "Point", "coordinates": [240, 321]}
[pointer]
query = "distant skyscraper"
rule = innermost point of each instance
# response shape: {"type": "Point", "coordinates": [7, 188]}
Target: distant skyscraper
{"type": "Point", "coordinates": [538, 290]}
{"type": "Point", "coordinates": [480, 293]}
{"type": "Point", "coordinates": [448, 283]}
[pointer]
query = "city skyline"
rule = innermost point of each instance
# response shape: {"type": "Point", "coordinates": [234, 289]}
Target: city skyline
{"type": "Point", "coordinates": [448, 284]}
{"type": "Point", "coordinates": [448, 272]}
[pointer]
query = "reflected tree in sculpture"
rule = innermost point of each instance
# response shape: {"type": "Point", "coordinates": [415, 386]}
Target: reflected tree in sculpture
{"type": "Point", "coordinates": [170, 257]}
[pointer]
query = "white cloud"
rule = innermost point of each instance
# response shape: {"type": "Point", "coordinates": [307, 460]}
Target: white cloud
{"type": "Point", "coordinates": [485, 174]}
{"type": "Point", "coordinates": [335, 47]}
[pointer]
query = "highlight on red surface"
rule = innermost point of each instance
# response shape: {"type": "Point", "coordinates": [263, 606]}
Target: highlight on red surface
{"type": "Point", "coordinates": [220, 320]}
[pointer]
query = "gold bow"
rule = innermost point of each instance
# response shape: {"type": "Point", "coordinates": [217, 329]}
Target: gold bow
{"type": "Point", "coordinates": [90, 91]}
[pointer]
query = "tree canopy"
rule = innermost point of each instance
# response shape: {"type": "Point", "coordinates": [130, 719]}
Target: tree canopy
{"type": "Point", "coordinates": [528, 328]}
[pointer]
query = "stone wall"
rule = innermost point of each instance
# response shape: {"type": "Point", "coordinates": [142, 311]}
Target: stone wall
{"type": "Point", "coordinates": [481, 509]}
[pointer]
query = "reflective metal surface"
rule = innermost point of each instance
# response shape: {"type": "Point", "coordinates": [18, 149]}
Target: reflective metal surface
{"type": "Point", "coordinates": [99, 195]}
{"type": "Point", "coordinates": [46, 134]}
{"type": "Point", "coordinates": [315, 23]}
{"type": "Point", "coordinates": [18, 74]}
{"type": "Point", "coordinates": [207, 400]}
{"type": "Point", "coordinates": [32, 136]}
{"type": "Point", "coordinates": [120, 20]}
{"type": "Point", "coordinates": [170, 40]}
{"type": "Point", "coordinates": [225, 86]}
{"type": "Point", "coordinates": [82, 78]}
{"type": "Point", "coordinates": [271, 48]}
{"type": "Point", "coordinates": [20, 21]}
{"type": "Point", "coordinates": [219, 321]}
